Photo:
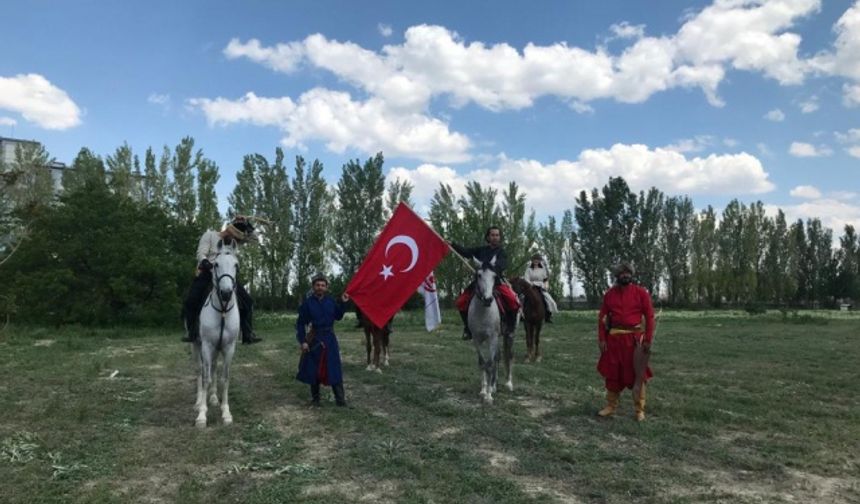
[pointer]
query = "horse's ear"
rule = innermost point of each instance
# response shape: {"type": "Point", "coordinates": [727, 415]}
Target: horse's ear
{"type": "Point", "coordinates": [477, 263]}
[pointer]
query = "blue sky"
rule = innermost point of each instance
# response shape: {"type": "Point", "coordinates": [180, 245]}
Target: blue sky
{"type": "Point", "coordinates": [723, 99]}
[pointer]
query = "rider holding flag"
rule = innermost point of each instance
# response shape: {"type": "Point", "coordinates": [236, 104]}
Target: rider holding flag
{"type": "Point", "coordinates": [485, 254]}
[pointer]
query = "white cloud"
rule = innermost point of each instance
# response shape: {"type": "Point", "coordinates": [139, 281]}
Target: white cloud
{"type": "Point", "coordinates": [805, 191]}
{"type": "Point", "coordinates": [850, 136]}
{"type": "Point", "coordinates": [7, 121]}
{"type": "Point", "coordinates": [551, 187]}
{"type": "Point", "coordinates": [432, 60]}
{"type": "Point", "coordinates": [730, 142]}
{"type": "Point", "coordinates": [625, 30]}
{"type": "Point", "coordinates": [843, 195]}
{"type": "Point", "coordinates": [833, 213]}
{"type": "Point", "coordinates": [282, 57]}
{"type": "Point", "coordinates": [695, 144]}
{"type": "Point", "coordinates": [39, 101]}
{"type": "Point", "coordinates": [851, 95]}
{"type": "Point", "coordinates": [854, 151]}
{"type": "Point", "coordinates": [159, 99]}
{"type": "Point", "coordinates": [342, 123]}
{"type": "Point", "coordinates": [809, 106]}
{"type": "Point", "coordinates": [844, 60]}
{"type": "Point", "coordinates": [764, 149]}
{"type": "Point", "coordinates": [802, 149]}
{"type": "Point", "coordinates": [384, 30]}
{"type": "Point", "coordinates": [775, 115]}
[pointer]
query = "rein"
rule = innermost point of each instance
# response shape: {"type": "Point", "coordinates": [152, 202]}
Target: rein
{"type": "Point", "coordinates": [224, 308]}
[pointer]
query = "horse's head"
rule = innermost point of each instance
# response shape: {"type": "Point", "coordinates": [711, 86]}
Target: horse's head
{"type": "Point", "coordinates": [519, 285]}
{"type": "Point", "coordinates": [485, 280]}
{"type": "Point", "coordinates": [224, 272]}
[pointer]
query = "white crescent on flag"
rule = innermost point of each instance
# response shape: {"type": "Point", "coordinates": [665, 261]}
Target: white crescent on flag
{"type": "Point", "coordinates": [409, 242]}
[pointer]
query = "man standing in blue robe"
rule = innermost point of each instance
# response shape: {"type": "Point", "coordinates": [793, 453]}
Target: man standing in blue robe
{"type": "Point", "coordinates": [320, 360]}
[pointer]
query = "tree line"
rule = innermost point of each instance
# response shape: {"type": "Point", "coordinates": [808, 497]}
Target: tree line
{"type": "Point", "coordinates": [117, 243]}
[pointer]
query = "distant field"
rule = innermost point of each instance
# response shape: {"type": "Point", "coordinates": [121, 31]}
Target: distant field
{"type": "Point", "coordinates": [742, 410]}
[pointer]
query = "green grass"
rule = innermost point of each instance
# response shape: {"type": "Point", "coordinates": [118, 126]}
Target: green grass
{"type": "Point", "coordinates": [742, 409]}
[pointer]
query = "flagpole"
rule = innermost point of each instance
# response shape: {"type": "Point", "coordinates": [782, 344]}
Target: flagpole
{"type": "Point", "coordinates": [465, 261]}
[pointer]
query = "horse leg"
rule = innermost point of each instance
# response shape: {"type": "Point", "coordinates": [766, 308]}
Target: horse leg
{"type": "Point", "coordinates": [538, 353]}
{"type": "Point", "coordinates": [367, 347]}
{"type": "Point", "coordinates": [509, 361]}
{"type": "Point", "coordinates": [386, 339]}
{"type": "Point", "coordinates": [377, 347]}
{"type": "Point", "coordinates": [201, 393]}
{"type": "Point", "coordinates": [213, 382]}
{"type": "Point", "coordinates": [206, 374]}
{"type": "Point", "coordinates": [226, 417]}
{"type": "Point", "coordinates": [481, 367]}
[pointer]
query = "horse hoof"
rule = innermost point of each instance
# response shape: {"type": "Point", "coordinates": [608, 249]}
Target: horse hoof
{"type": "Point", "coordinates": [510, 386]}
{"type": "Point", "coordinates": [370, 367]}
{"type": "Point", "coordinates": [488, 399]}
{"type": "Point", "coordinates": [378, 370]}
{"type": "Point", "coordinates": [200, 423]}
{"type": "Point", "coordinates": [228, 420]}
{"type": "Point", "coordinates": [540, 358]}
{"type": "Point", "coordinates": [386, 363]}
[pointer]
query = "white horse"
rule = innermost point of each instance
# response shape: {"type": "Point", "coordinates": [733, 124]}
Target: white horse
{"type": "Point", "coordinates": [219, 330]}
{"type": "Point", "coordinates": [486, 326]}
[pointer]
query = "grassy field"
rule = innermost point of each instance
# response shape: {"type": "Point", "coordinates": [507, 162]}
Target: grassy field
{"type": "Point", "coordinates": [742, 409]}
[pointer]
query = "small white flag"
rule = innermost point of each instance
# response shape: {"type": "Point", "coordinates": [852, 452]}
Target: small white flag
{"type": "Point", "coordinates": [432, 313]}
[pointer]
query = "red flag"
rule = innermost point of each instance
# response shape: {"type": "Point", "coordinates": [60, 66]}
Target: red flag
{"type": "Point", "coordinates": [403, 255]}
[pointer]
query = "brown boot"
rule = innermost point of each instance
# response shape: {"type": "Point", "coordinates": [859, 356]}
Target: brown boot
{"type": "Point", "coordinates": [611, 404]}
{"type": "Point", "coordinates": [639, 404]}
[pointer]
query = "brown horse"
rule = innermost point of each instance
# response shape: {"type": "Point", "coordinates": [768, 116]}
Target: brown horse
{"type": "Point", "coordinates": [379, 336]}
{"type": "Point", "coordinates": [533, 315]}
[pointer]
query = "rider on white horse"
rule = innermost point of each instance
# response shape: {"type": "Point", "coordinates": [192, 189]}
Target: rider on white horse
{"type": "Point", "coordinates": [238, 231]}
{"type": "Point", "coordinates": [537, 274]}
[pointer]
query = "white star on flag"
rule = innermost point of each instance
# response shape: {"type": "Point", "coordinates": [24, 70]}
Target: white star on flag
{"type": "Point", "coordinates": [386, 272]}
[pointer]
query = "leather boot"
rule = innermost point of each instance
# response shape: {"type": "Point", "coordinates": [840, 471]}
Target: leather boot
{"type": "Point", "coordinates": [639, 404]}
{"type": "Point", "coordinates": [467, 334]}
{"type": "Point", "coordinates": [192, 330]}
{"type": "Point", "coordinates": [249, 337]}
{"type": "Point", "coordinates": [315, 395]}
{"type": "Point", "coordinates": [339, 398]}
{"type": "Point", "coordinates": [611, 404]}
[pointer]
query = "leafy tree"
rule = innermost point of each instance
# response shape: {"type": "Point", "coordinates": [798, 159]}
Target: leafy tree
{"type": "Point", "coordinates": [520, 233]}
{"type": "Point", "coordinates": [120, 165]}
{"type": "Point", "coordinates": [705, 255]}
{"type": "Point", "coordinates": [645, 245]}
{"type": "Point", "coordinates": [567, 251]}
{"type": "Point", "coordinates": [208, 216]}
{"type": "Point", "coordinates": [86, 169]}
{"type": "Point", "coordinates": [101, 272]}
{"type": "Point", "coordinates": [589, 245]}
{"type": "Point", "coordinates": [359, 219]}
{"type": "Point", "coordinates": [450, 273]}
{"type": "Point", "coordinates": [275, 202]}
{"type": "Point", "coordinates": [552, 241]}
{"type": "Point", "coordinates": [310, 225]}
{"type": "Point", "coordinates": [678, 224]}
{"type": "Point", "coordinates": [182, 164]}
{"type": "Point", "coordinates": [398, 190]}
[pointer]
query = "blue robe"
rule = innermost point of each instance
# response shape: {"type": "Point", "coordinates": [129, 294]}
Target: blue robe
{"type": "Point", "coordinates": [321, 314]}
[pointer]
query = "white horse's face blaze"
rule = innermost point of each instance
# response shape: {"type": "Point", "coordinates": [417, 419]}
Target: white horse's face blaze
{"type": "Point", "coordinates": [226, 268]}
{"type": "Point", "coordinates": [486, 280]}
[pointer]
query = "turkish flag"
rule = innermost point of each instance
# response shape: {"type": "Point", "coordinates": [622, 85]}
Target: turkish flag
{"type": "Point", "coordinates": [399, 261]}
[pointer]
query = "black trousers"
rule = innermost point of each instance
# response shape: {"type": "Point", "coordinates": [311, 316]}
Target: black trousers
{"type": "Point", "coordinates": [196, 298]}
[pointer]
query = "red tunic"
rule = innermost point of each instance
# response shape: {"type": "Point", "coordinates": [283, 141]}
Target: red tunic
{"type": "Point", "coordinates": [626, 306]}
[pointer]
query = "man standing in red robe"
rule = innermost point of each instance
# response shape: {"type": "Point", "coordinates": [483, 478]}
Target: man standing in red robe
{"type": "Point", "coordinates": [622, 339]}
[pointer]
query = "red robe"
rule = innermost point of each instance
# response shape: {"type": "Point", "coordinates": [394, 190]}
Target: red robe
{"type": "Point", "coordinates": [626, 306]}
